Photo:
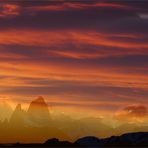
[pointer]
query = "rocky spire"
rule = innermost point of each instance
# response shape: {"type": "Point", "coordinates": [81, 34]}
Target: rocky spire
{"type": "Point", "coordinates": [18, 116]}
{"type": "Point", "coordinates": [38, 111]}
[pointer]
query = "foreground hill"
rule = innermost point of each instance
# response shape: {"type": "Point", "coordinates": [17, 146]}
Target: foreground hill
{"type": "Point", "coordinates": [139, 139]}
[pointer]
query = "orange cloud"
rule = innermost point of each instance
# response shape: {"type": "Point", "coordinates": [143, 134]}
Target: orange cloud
{"type": "Point", "coordinates": [75, 55]}
{"type": "Point", "coordinates": [132, 113]}
{"type": "Point", "coordinates": [66, 5]}
{"type": "Point", "coordinates": [77, 72]}
{"type": "Point", "coordinates": [9, 10]}
{"type": "Point", "coordinates": [54, 71]}
{"type": "Point", "coordinates": [46, 39]}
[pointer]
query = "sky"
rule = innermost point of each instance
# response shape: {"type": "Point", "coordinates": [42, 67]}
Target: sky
{"type": "Point", "coordinates": [90, 55]}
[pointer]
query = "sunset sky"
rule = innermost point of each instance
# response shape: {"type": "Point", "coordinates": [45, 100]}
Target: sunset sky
{"type": "Point", "coordinates": [76, 54]}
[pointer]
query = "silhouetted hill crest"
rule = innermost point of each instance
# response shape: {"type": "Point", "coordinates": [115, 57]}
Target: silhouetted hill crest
{"type": "Point", "coordinates": [139, 139]}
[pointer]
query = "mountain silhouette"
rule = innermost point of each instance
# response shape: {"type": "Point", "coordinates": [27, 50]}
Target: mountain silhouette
{"type": "Point", "coordinates": [18, 116]}
{"type": "Point", "coordinates": [54, 142]}
{"type": "Point", "coordinates": [139, 139]}
{"type": "Point", "coordinates": [38, 112]}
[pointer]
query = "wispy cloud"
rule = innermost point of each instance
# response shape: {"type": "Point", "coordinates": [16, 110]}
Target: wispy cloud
{"type": "Point", "coordinates": [97, 51]}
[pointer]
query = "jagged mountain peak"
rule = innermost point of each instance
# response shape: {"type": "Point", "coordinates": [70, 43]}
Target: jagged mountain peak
{"type": "Point", "coordinates": [38, 111]}
{"type": "Point", "coordinates": [39, 101]}
{"type": "Point", "coordinates": [18, 116]}
{"type": "Point", "coordinates": [18, 107]}
{"type": "Point", "coordinates": [38, 105]}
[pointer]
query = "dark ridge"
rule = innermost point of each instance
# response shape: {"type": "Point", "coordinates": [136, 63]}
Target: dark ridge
{"type": "Point", "coordinates": [139, 140]}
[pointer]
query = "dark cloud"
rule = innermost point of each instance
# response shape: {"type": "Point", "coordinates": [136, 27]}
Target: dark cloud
{"type": "Point", "coordinates": [89, 18]}
{"type": "Point", "coordinates": [85, 90]}
{"type": "Point", "coordinates": [132, 112]}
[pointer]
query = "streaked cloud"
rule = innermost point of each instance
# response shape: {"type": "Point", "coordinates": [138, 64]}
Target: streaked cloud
{"type": "Point", "coordinates": [75, 52]}
{"type": "Point", "coordinates": [133, 112]}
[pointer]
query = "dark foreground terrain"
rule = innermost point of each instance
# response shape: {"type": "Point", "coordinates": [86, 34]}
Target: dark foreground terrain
{"type": "Point", "coordinates": [139, 139]}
